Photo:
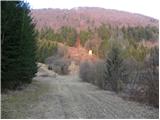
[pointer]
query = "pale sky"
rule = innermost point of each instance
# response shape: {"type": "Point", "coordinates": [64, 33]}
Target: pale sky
{"type": "Point", "coordinates": [145, 7]}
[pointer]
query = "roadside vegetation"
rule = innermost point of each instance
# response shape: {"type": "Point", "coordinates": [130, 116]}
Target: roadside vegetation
{"type": "Point", "coordinates": [127, 65]}
{"type": "Point", "coordinates": [131, 78]}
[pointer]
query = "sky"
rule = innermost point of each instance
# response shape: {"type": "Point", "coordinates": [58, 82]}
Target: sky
{"type": "Point", "coordinates": [145, 7]}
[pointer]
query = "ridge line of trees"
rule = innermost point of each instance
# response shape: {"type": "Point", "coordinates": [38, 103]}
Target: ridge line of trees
{"type": "Point", "coordinates": [100, 38]}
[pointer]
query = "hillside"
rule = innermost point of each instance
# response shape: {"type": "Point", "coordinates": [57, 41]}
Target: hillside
{"type": "Point", "coordinates": [84, 17]}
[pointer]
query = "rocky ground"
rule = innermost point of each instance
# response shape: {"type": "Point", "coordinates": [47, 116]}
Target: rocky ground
{"type": "Point", "coordinates": [54, 96]}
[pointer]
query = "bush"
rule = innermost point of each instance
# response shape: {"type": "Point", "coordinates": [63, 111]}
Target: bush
{"type": "Point", "coordinates": [58, 64]}
{"type": "Point", "coordinates": [99, 74]}
{"type": "Point", "coordinates": [93, 73]}
{"type": "Point", "coordinates": [87, 71]}
{"type": "Point", "coordinates": [59, 61]}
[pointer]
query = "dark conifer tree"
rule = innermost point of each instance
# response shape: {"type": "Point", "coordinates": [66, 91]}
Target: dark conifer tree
{"type": "Point", "coordinates": [114, 70]}
{"type": "Point", "coordinates": [18, 44]}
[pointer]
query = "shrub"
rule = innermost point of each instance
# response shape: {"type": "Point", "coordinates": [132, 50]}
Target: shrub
{"type": "Point", "coordinates": [59, 65]}
{"type": "Point", "coordinates": [99, 74]}
{"type": "Point", "coordinates": [86, 71]}
{"type": "Point", "coordinates": [93, 72]}
{"type": "Point", "coordinates": [58, 61]}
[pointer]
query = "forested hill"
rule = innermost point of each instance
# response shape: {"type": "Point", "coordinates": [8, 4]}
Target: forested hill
{"type": "Point", "coordinates": [89, 17]}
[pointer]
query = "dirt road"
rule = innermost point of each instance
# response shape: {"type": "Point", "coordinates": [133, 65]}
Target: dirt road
{"type": "Point", "coordinates": [51, 96]}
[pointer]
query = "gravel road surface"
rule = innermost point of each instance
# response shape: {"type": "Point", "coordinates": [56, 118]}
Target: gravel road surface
{"type": "Point", "coordinates": [55, 96]}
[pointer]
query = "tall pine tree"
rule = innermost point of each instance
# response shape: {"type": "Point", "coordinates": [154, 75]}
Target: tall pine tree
{"type": "Point", "coordinates": [18, 44]}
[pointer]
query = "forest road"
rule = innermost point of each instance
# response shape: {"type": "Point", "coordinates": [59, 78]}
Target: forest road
{"type": "Point", "coordinates": [55, 96]}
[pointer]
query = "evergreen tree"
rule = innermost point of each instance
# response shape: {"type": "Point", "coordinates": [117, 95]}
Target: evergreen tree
{"type": "Point", "coordinates": [68, 35]}
{"type": "Point", "coordinates": [45, 49]}
{"type": "Point", "coordinates": [18, 44]}
{"type": "Point", "coordinates": [28, 44]}
{"type": "Point", "coordinates": [114, 70]}
{"type": "Point", "coordinates": [104, 32]}
{"type": "Point", "coordinates": [85, 36]}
